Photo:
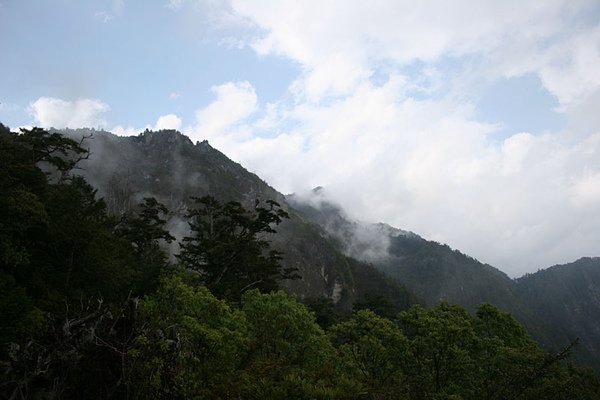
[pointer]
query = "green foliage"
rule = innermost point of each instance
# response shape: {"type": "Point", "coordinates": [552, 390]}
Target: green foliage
{"type": "Point", "coordinates": [227, 247]}
{"type": "Point", "coordinates": [26, 224]}
{"type": "Point", "coordinates": [80, 258]}
{"type": "Point", "coordinates": [378, 292]}
{"type": "Point", "coordinates": [52, 148]}
{"type": "Point", "coordinates": [22, 212]}
{"type": "Point", "coordinates": [21, 318]}
{"type": "Point", "coordinates": [325, 311]}
{"type": "Point", "coordinates": [492, 323]}
{"type": "Point", "coordinates": [91, 309]}
{"type": "Point", "coordinates": [146, 233]}
{"type": "Point", "coordinates": [289, 354]}
{"type": "Point", "coordinates": [64, 274]}
{"type": "Point", "coordinates": [565, 297]}
{"type": "Point", "coordinates": [377, 304]}
{"type": "Point", "coordinates": [282, 329]}
{"type": "Point", "coordinates": [191, 344]}
{"type": "Point", "coordinates": [372, 351]}
{"type": "Point", "coordinates": [148, 227]}
{"type": "Point", "coordinates": [441, 339]}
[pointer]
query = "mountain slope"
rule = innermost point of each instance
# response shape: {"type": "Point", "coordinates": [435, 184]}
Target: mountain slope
{"type": "Point", "coordinates": [434, 271]}
{"type": "Point", "coordinates": [568, 297]}
{"type": "Point", "coordinates": [337, 257]}
{"type": "Point", "coordinates": [168, 166]}
{"type": "Point", "coordinates": [556, 305]}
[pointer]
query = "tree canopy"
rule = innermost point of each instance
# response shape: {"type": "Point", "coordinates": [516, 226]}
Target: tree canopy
{"type": "Point", "coordinates": [228, 248]}
{"type": "Point", "coordinates": [92, 307]}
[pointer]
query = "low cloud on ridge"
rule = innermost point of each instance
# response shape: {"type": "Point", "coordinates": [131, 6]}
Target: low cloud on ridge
{"type": "Point", "coordinates": [383, 112]}
{"type": "Point", "coordinates": [425, 163]}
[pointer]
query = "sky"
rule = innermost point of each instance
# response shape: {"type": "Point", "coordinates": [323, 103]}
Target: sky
{"type": "Point", "coordinates": [474, 123]}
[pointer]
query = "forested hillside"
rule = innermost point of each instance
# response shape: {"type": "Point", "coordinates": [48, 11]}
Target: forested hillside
{"type": "Point", "coordinates": [92, 308]}
{"type": "Point", "coordinates": [168, 166]}
{"type": "Point", "coordinates": [568, 297]}
{"type": "Point", "coordinates": [557, 305]}
{"type": "Point", "coordinates": [331, 252]}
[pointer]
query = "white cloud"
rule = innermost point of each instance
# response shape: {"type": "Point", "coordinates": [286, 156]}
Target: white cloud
{"type": "Point", "coordinates": [169, 121]}
{"type": "Point", "coordinates": [382, 115]}
{"type": "Point", "coordinates": [18, 129]}
{"type": "Point", "coordinates": [587, 189]}
{"type": "Point", "coordinates": [363, 34]}
{"type": "Point", "coordinates": [337, 75]}
{"type": "Point", "coordinates": [58, 113]}
{"type": "Point", "coordinates": [522, 203]}
{"type": "Point", "coordinates": [339, 46]}
{"type": "Point", "coordinates": [572, 75]}
{"type": "Point", "coordinates": [219, 122]}
{"type": "Point", "coordinates": [122, 131]}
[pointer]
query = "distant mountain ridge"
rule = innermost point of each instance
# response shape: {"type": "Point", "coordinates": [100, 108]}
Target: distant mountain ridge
{"type": "Point", "coordinates": [557, 305]}
{"type": "Point", "coordinates": [568, 298]}
{"type": "Point", "coordinates": [341, 259]}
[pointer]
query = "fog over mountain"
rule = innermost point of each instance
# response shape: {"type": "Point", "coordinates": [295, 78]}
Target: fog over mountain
{"type": "Point", "coordinates": [473, 123]}
{"type": "Point", "coordinates": [349, 262]}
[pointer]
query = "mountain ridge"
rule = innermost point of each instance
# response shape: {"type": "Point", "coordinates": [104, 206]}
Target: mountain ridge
{"type": "Point", "coordinates": [329, 250]}
{"type": "Point", "coordinates": [168, 166]}
{"type": "Point", "coordinates": [435, 272]}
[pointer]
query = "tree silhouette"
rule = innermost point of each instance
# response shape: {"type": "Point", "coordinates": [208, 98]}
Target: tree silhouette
{"type": "Point", "coordinates": [228, 247]}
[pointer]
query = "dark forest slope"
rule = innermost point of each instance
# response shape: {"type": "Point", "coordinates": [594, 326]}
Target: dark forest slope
{"type": "Point", "coordinates": [168, 166]}
{"type": "Point", "coordinates": [556, 305]}
{"type": "Point", "coordinates": [568, 298]}
{"type": "Point", "coordinates": [333, 252]}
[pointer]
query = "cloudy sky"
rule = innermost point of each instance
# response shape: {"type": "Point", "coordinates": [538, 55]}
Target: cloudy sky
{"type": "Point", "coordinates": [473, 123]}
